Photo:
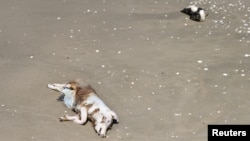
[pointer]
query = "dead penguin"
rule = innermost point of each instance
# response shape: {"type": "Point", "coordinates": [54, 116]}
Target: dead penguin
{"type": "Point", "coordinates": [195, 13]}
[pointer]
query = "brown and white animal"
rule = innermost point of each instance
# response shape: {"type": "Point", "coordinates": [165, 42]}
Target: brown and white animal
{"type": "Point", "coordinates": [83, 99]}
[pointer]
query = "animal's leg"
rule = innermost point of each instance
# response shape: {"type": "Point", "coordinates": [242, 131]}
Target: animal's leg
{"type": "Point", "coordinates": [114, 116]}
{"type": "Point", "coordinates": [69, 118]}
{"type": "Point", "coordinates": [57, 87]}
{"type": "Point", "coordinates": [83, 116]}
{"type": "Point", "coordinates": [79, 119]}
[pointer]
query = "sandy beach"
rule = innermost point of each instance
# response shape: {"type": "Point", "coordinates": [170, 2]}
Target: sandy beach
{"type": "Point", "coordinates": [166, 76]}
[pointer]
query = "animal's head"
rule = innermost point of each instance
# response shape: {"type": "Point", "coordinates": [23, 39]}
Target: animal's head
{"type": "Point", "coordinates": [71, 88]}
{"type": "Point", "coordinates": [104, 122]}
{"type": "Point", "coordinates": [79, 86]}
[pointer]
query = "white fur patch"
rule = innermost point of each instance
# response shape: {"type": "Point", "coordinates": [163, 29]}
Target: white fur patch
{"type": "Point", "coordinates": [96, 103]}
{"type": "Point", "coordinates": [193, 8]}
{"type": "Point", "coordinates": [68, 98]}
{"type": "Point", "coordinates": [202, 15]}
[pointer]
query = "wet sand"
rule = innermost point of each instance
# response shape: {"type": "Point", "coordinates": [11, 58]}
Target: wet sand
{"type": "Point", "coordinates": [167, 77]}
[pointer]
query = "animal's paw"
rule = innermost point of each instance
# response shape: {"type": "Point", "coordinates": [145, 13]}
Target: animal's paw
{"type": "Point", "coordinates": [63, 118]}
{"type": "Point", "coordinates": [51, 86]}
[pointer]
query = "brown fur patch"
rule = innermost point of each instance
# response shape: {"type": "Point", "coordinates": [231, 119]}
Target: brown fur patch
{"type": "Point", "coordinates": [90, 116]}
{"type": "Point", "coordinates": [95, 111]}
{"type": "Point", "coordinates": [92, 120]}
{"type": "Point", "coordinates": [103, 119]}
{"type": "Point", "coordinates": [82, 92]}
{"type": "Point", "coordinates": [87, 106]}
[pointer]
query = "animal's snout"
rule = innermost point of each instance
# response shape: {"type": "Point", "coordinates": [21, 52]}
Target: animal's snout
{"type": "Point", "coordinates": [100, 131]}
{"type": "Point", "coordinates": [103, 135]}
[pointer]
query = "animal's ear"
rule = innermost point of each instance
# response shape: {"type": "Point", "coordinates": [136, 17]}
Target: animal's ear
{"type": "Point", "coordinates": [114, 116]}
{"type": "Point", "coordinates": [61, 97]}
